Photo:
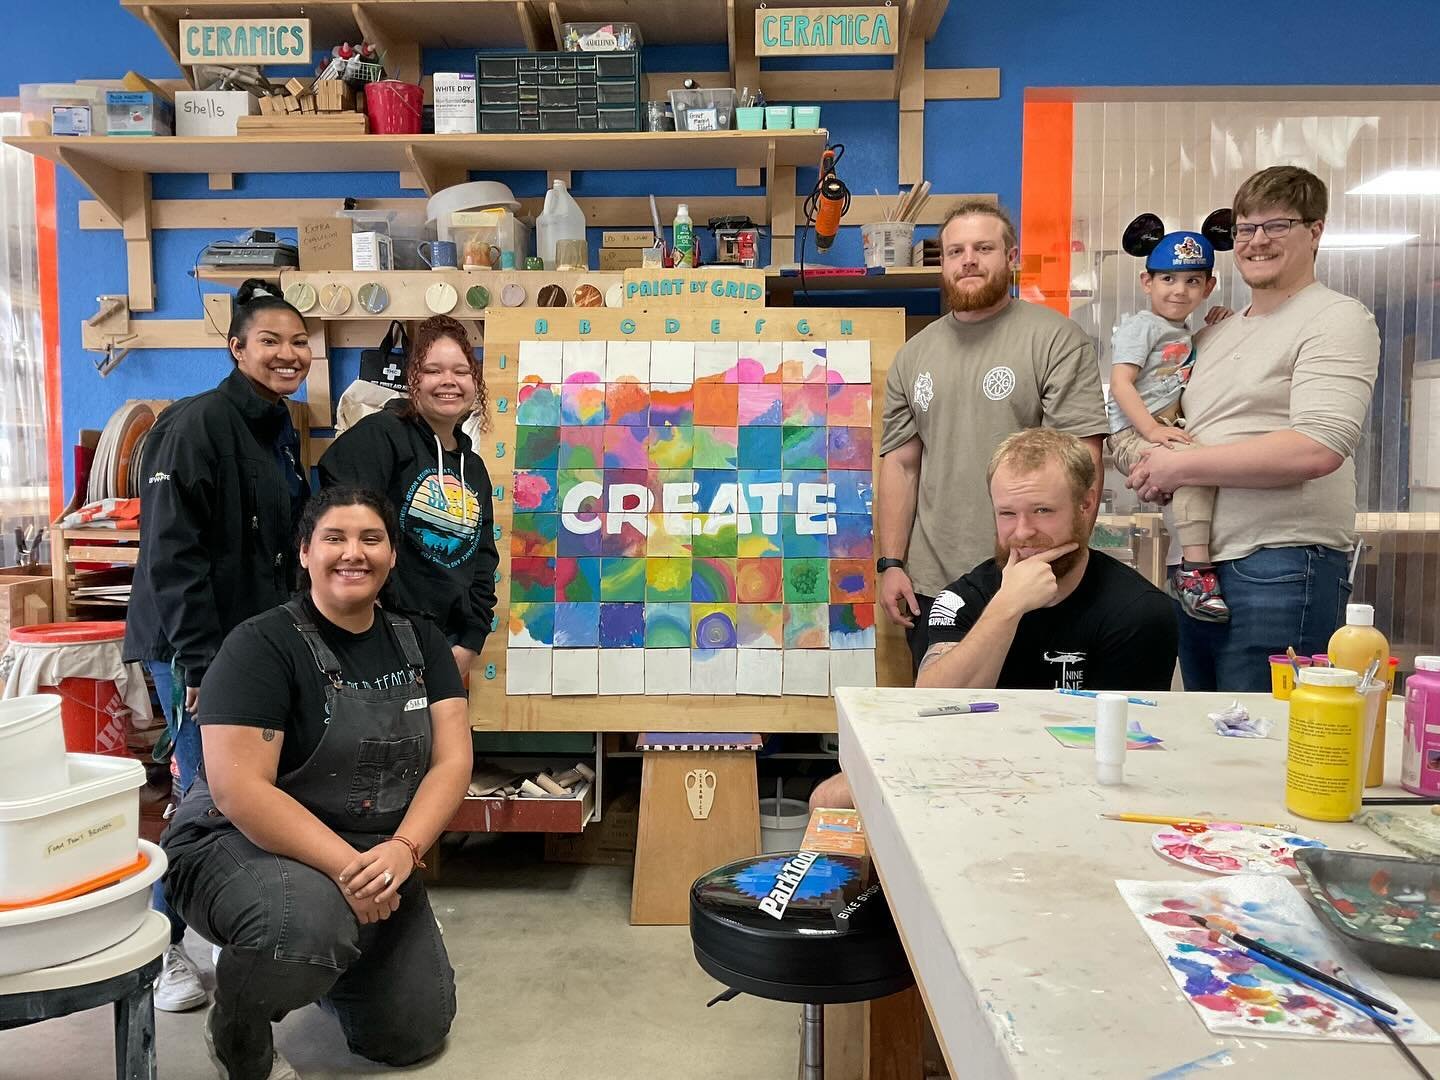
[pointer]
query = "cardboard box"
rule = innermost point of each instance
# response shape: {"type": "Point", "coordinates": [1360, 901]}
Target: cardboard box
{"type": "Point", "coordinates": [608, 842]}
{"type": "Point", "coordinates": [212, 112]}
{"type": "Point", "coordinates": [371, 251]}
{"type": "Point", "coordinates": [454, 94]}
{"type": "Point", "coordinates": [621, 258]}
{"type": "Point", "coordinates": [640, 238]}
{"type": "Point", "coordinates": [138, 112]}
{"type": "Point", "coordinates": [25, 598]}
{"type": "Point", "coordinates": [324, 243]}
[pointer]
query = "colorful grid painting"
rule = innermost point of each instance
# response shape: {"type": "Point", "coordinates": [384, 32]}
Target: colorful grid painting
{"type": "Point", "coordinates": [711, 497]}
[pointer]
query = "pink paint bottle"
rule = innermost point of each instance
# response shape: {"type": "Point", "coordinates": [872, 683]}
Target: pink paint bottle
{"type": "Point", "coordinates": [1420, 762]}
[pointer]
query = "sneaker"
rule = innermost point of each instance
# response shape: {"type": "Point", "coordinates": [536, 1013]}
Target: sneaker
{"type": "Point", "coordinates": [1198, 591]}
{"type": "Point", "coordinates": [178, 989]}
{"type": "Point", "coordinates": [280, 1069]}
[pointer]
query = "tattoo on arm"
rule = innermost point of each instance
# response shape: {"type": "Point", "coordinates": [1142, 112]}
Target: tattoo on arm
{"type": "Point", "coordinates": [935, 652]}
{"type": "Point", "coordinates": [268, 734]}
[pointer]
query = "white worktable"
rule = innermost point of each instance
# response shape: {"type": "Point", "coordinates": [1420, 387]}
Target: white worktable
{"type": "Point", "coordinates": [1002, 880]}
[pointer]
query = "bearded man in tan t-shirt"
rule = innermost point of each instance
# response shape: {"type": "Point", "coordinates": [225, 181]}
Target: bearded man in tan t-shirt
{"type": "Point", "coordinates": [991, 367]}
{"type": "Point", "coordinates": [1276, 398]}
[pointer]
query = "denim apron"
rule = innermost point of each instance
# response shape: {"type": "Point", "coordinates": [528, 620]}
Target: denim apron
{"type": "Point", "coordinates": [365, 770]}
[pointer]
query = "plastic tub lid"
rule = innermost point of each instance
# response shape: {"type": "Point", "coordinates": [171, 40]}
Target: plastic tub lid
{"type": "Point", "coordinates": [475, 195]}
{"type": "Point", "coordinates": [1426, 663]}
{"type": "Point", "coordinates": [68, 633]}
{"type": "Point", "coordinates": [92, 776]}
{"type": "Point", "coordinates": [1329, 676]}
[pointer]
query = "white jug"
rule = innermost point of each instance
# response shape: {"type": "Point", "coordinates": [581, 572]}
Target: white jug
{"type": "Point", "coordinates": [562, 219]}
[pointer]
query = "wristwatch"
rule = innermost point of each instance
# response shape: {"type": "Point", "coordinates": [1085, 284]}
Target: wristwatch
{"type": "Point", "coordinates": [881, 565]}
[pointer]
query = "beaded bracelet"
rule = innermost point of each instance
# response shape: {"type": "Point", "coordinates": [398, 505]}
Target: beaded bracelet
{"type": "Point", "coordinates": [419, 863]}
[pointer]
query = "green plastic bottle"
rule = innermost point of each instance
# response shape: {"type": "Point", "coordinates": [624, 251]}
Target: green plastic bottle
{"type": "Point", "coordinates": [684, 230]}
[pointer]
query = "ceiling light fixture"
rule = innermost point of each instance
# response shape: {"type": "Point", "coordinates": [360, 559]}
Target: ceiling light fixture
{"type": "Point", "coordinates": [1364, 239]}
{"type": "Point", "coordinates": [1401, 182]}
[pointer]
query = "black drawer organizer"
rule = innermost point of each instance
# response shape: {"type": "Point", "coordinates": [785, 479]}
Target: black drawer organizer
{"type": "Point", "coordinates": [558, 91]}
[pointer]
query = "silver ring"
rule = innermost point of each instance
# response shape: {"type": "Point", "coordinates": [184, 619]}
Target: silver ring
{"type": "Point", "coordinates": [389, 877]}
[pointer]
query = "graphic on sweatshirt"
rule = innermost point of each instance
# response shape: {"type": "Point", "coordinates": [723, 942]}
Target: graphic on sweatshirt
{"type": "Point", "coordinates": [441, 519]}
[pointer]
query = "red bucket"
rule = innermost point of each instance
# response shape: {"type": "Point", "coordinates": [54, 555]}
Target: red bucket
{"type": "Point", "coordinates": [94, 715]}
{"type": "Point", "coordinates": [394, 107]}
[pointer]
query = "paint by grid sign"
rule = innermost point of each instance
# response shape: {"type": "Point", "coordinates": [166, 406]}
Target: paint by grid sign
{"type": "Point", "coordinates": [683, 502]}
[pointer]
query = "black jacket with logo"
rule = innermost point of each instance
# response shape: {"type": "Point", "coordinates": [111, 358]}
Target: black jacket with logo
{"type": "Point", "coordinates": [221, 494]}
{"type": "Point", "coordinates": [445, 567]}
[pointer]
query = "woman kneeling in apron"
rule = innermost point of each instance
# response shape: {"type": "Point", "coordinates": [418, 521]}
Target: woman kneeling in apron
{"type": "Point", "coordinates": [336, 749]}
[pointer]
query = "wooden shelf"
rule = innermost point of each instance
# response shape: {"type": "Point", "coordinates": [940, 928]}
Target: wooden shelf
{"type": "Point", "coordinates": [103, 161]}
{"type": "Point", "coordinates": [896, 278]}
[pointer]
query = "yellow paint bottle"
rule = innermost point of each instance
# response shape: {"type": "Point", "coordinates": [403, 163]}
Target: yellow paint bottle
{"type": "Point", "coordinates": [1354, 646]}
{"type": "Point", "coordinates": [1324, 770]}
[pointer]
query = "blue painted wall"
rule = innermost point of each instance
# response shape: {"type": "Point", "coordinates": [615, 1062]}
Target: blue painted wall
{"type": "Point", "coordinates": [969, 145]}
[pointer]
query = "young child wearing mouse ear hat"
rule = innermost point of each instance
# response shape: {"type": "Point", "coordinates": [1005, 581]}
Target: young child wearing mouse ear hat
{"type": "Point", "coordinates": [1152, 354]}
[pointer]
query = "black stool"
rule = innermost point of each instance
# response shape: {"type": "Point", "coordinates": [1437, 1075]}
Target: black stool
{"type": "Point", "coordinates": [798, 926]}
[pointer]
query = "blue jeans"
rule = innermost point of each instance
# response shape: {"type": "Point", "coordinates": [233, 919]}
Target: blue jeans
{"type": "Point", "coordinates": [186, 749]}
{"type": "Point", "coordinates": [1278, 596]}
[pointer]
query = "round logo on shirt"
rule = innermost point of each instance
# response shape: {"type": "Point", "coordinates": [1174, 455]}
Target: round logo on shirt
{"type": "Point", "coordinates": [998, 384]}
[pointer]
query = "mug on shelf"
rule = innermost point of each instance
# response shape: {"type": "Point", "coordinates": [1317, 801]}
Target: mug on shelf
{"type": "Point", "coordinates": [438, 254]}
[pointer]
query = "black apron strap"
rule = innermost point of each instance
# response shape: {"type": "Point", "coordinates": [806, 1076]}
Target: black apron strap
{"type": "Point", "coordinates": [404, 631]}
{"type": "Point", "coordinates": [325, 659]}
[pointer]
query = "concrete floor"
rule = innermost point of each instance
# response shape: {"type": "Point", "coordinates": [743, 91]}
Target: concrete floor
{"type": "Point", "coordinates": [551, 977]}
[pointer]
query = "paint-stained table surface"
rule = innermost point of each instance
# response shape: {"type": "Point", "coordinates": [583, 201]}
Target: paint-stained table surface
{"type": "Point", "coordinates": [1002, 879]}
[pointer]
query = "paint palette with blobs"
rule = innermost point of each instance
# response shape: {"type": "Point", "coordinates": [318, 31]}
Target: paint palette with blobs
{"type": "Point", "coordinates": [1224, 847]}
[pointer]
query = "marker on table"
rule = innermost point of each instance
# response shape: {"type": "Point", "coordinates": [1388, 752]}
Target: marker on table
{"type": "Point", "coordinates": [955, 710]}
{"type": "Point", "coordinates": [1096, 693]}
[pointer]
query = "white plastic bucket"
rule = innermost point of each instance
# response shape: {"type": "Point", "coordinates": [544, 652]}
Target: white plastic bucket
{"type": "Point", "coordinates": [887, 243]}
{"type": "Point", "coordinates": [782, 824]}
{"type": "Point", "coordinates": [32, 748]}
{"type": "Point", "coordinates": [50, 934]}
{"type": "Point", "coordinates": [64, 838]}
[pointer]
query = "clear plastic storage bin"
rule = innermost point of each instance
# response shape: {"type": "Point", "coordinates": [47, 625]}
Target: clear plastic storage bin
{"type": "Point", "coordinates": [38, 102]}
{"type": "Point", "coordinates": [703, 110]}
{"type": "Point", "coordinates": [600, 37]}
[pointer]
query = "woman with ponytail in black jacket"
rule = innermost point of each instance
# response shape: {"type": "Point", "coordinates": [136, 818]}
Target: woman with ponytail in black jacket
{"type": "Point", "coordinates": [223, 489]}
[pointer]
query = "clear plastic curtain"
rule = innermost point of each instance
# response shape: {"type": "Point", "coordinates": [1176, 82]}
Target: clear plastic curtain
{"type": "Point", "coordinates": [1182, 159]}
{"type": "Point", "coordinates": [24, 481]}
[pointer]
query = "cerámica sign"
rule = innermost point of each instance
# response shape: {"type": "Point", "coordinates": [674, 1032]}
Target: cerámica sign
{"type": "Point", "coordinates": [825, 31]}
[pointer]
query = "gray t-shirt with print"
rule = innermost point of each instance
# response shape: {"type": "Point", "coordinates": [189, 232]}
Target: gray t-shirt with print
{"type": "Point", "coordinates": [1163, 352]}
{"type": "Point", "coordinates": [962, 388]}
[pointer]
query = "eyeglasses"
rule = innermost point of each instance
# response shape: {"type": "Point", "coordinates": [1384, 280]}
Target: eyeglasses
{"type": "Point", "coordinates": [1275, 228]}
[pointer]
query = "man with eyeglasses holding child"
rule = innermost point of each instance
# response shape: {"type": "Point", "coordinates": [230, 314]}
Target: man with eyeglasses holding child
{"type": "Point", "coordinates": [1275, 401]}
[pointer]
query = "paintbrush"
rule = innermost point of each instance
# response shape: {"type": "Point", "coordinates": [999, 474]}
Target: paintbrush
{"type": "Point", "coordinates": [1298, 965]}
{"type": "Point", "coordinates": [1384, 1023]}
{"type": "Point", "coordinates": [1398, 800]}
{"type": "Point", "coordinates": [1294, 664]}
{"type": "Point", "coordinates": [1163, 819]}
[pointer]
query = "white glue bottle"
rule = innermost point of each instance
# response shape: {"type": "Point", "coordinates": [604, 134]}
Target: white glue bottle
{"type": "Point", "coordinates": [1110, 738]}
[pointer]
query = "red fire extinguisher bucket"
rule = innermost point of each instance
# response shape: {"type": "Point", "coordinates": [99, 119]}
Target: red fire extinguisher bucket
{"type": "Point", "coordinates": [394, 107]}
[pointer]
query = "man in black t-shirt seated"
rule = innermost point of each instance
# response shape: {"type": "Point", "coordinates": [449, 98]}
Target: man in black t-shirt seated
{"type": "Point", "coordinates": [1046, 612]}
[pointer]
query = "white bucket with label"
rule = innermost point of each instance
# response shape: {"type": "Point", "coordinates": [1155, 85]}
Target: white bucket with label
{"type": "Point", "coordinates": [782, 824]}
{"type": "Point", "coordinates": [32, 747]}
{"type": "Point", "coordinates": [87, 829]}
{"type": "Point", "coordinates": [887, 243]}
